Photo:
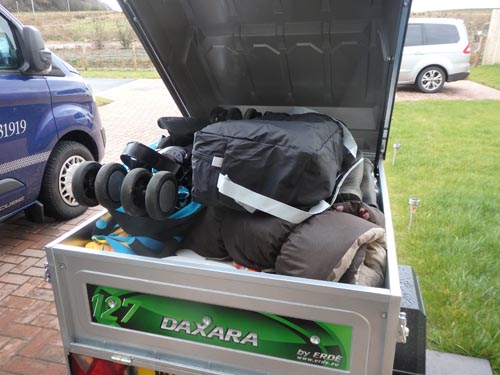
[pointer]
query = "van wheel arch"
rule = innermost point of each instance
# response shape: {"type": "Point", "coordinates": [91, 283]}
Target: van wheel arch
{"type": "Point", "coordinates": [84, 139]}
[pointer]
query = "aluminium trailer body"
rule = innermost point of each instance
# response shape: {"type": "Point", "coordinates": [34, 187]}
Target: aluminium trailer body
{"type": "Point", "coordinates": [174, 315]}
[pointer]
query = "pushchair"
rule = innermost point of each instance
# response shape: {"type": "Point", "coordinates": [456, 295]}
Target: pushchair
{"type": "Point", "coordinates": [149, 193]}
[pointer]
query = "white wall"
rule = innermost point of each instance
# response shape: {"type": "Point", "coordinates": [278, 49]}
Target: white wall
{"type": "Point", "coordinates": [492, 50]}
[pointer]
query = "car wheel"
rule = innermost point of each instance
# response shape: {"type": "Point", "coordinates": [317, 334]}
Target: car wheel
{"type": "Point", "coordinates": [133, 191]}
{"type": "Point", "coordinates": [431, 79]}
{"type": "Point", "coordinates": [56, 192]}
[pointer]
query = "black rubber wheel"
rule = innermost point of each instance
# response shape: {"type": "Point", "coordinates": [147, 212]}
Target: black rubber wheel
{"type": "Point", "coordinates": [161, 195]}
{"type": "Point", "coordinates": [250, 113]}
{"type": "Point", "coordinates": [108, 184]}
{"type": "Point", "coordinates": [431, 79]}
{"type": "Point", "coordinates": [133, 191]}
{"type": "Point", "coordinates": [233, 113]}
{"type": "Point", "coordinates": [83, 183]}
{"type": "Point", "coordinates": [56, 192]}
{"type": "Point", "coordinates": [218, 114]}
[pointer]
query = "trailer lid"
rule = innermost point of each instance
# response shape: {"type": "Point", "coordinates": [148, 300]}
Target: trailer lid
{"type": "Point", "coordinates": [339, 57]}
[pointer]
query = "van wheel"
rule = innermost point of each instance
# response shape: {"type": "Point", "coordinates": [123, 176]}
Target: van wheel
{"type": "Point", "coordinates": [56, 192]}
{"type": "Point", "coordinates": [431, 79]}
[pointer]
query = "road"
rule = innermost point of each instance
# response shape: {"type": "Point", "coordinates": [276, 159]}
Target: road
{"type": "Point", "coordinates": [99, 85]}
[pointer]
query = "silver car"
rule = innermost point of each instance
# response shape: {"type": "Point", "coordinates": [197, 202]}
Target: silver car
{"type": "Point", "coordinates": [436, 51]}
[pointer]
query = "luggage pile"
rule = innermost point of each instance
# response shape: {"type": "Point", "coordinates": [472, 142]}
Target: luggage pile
{"type": "Point", "coordinates": [273, 192]}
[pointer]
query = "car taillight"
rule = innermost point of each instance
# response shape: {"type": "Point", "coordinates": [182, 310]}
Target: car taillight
{"type": "Point", "coordinates": [84, 365]}
{"type": "Point", "coordinates": [467, 49]}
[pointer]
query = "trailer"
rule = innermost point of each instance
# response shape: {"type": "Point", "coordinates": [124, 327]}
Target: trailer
{"type": "Point", "coordinates": [130, 314]}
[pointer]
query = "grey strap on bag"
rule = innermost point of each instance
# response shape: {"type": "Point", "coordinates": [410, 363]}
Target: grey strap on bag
{"type": "Point", "coordinates": [251, 201]}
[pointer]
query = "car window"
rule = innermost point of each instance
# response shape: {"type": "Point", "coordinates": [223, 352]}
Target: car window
{"type": "Point", "coordinates": [440, 34]}
{"type": "Point", "coordinates": [8, 51]}
{"type": "Point", "coordinates": [414, 35]}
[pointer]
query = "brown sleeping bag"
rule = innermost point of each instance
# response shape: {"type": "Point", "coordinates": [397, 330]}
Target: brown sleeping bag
{"type": "Point", "coordinates": [336, 245]}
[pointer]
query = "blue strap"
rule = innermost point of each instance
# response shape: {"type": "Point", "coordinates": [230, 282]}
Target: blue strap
{"type": "Point", "coordinates": [186, 211]}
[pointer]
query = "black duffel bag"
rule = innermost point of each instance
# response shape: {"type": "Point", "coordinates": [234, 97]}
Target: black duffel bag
{"type": "Point", "coordinates": [271, 165]}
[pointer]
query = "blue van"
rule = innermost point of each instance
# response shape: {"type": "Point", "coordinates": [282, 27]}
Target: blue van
{"type": "Point", "coordinates": [48, 123]}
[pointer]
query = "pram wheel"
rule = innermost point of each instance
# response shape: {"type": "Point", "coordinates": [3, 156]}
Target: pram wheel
{"type": "Point", "coordinates": [133, 191]}
{"type": "Point", "coordinates": [161, 195]}
{"type": "Point", "coordinates": [83, 183]}
{"type": "Point", "coordinates": [108, 183]}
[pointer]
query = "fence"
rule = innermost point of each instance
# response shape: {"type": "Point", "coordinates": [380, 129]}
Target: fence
{"type": "Point", "coordinates": [85, 57]}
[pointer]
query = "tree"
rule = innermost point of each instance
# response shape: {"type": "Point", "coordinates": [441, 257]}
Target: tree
{"type": "Point", "coordinates": [99, 32]}
{"type": "Point", "coordinates": [125, 33]}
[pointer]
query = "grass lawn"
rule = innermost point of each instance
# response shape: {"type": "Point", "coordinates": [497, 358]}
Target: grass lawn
{"type": "Point", "coordinates": [74, 26]}
{"type": "Point", "coordinates": [449, 159]}
{"type": "Point", "coordinates": [102, 101]}
{"type": "Point", "coordinates": [488, 75]}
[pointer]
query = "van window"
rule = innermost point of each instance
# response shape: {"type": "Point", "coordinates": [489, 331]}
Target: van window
{"type": "Point", "coordinates": [440, 34]}
{"type": "Point", "coordinates": [8, 50]}
{"type": "Point", "coordinates": [414, 35]}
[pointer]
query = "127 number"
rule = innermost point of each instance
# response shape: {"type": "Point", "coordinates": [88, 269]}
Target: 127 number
{"type": "Point", "coordinates": [103, 308]}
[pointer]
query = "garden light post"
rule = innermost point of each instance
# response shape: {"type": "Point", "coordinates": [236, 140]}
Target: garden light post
{"type": "Point", "coordinates": [413, 202]}
{"type": "Point", "coordinates": [396, 147]}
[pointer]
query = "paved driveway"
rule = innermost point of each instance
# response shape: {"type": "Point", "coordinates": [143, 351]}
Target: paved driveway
{"type": "Point", "coordinates": [133, 114]}
{"type": "Point", "coordinates": [460, 90]}
{"type": "Point", "coordinates": [29, 335]}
